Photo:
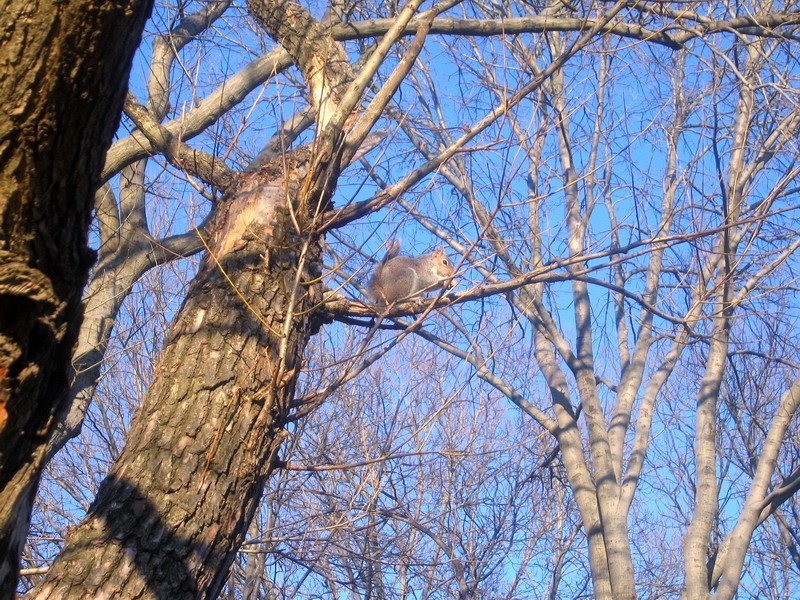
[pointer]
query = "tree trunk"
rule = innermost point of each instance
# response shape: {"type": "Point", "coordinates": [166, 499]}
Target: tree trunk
{"type": "Point", "coordinates": [179, 499]}
{"type": "Point", "coordinates": [63, 74]}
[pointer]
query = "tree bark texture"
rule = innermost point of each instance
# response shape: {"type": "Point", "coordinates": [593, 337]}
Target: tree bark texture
{"type": "Point", "coordinates": [63, 74]}
{"type": "Point", "coordinates": [178, 501]}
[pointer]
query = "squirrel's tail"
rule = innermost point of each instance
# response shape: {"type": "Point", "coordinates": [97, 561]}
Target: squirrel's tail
{"type": "Point", "coordinates": [392, 250]}
{"type": "Point", "coordinates": [376, 293]}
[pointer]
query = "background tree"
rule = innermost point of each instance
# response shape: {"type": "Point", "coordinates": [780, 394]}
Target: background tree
{"type": "Point", "coordinates": [63, 73]}
{"type": "Point", "coordinates": [618, 184]}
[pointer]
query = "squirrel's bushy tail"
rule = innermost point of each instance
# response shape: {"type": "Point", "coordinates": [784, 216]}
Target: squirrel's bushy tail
{"type": "Point", "coordinates": [376, 293]}
{"type": "Point", "coordinates": [392, 250]}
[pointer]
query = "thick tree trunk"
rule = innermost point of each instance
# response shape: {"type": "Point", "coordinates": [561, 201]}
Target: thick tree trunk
{"type": "Point", "coordinates": [179, 499]}
{"type": "Point", "coordinates": [63, 74]}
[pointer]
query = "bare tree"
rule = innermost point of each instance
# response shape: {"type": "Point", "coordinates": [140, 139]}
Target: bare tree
{"type": "Point", "coordinates": [266, 243]}
{"type": "Point", "coordinates": [418, 483]}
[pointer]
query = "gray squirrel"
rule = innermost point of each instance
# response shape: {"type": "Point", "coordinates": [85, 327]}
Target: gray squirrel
{"type": "Point", "coordinates": [397, 277]}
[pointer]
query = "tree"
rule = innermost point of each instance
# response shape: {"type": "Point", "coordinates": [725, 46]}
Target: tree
{"type": "Point", "coordinates": [63, 77]}
{"type": "Point", "coordinates": [637, 159]}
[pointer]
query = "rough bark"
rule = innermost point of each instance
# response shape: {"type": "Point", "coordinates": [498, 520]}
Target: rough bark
{"type": "Point", "coordinates": [63, 73]}
{"type": "Point", "coordinates": [179, 499]}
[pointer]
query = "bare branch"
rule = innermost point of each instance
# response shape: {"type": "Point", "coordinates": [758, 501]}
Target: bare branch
{"type": "Point", "coordinates": [209, 169]}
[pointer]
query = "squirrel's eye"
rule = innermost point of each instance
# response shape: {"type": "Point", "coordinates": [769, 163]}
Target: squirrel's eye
{"type": "Point", "coordinates": [445, 262]}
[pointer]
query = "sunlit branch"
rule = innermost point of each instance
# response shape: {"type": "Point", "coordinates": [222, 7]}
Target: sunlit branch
{"type": "Point", "coordinates": [206, 167]}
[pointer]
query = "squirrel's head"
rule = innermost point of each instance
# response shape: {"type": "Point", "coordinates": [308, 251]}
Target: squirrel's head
{"type": "Point", "coordinates": [441, 264]}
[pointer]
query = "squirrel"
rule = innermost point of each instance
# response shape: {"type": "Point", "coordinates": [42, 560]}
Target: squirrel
{"type": "Point", "coordinates": [397, 277]}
